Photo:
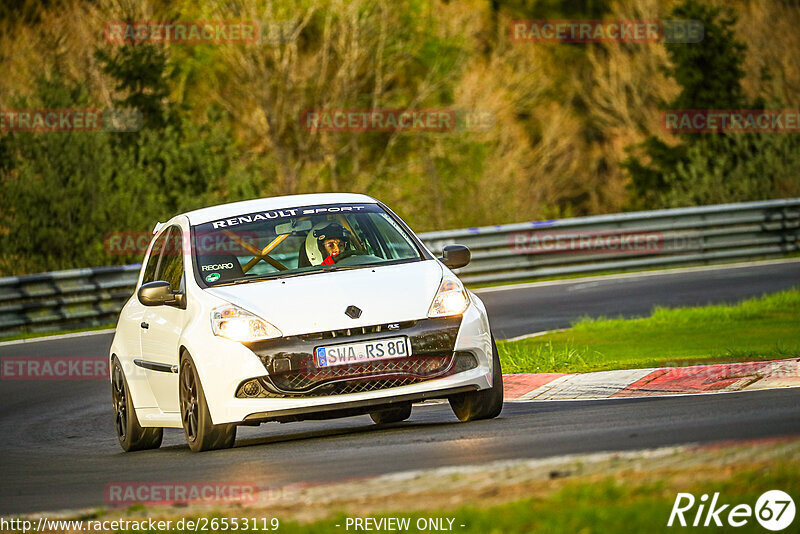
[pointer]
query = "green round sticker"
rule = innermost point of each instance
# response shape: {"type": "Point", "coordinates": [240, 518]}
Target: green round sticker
{"type": "Point", "coordinates": [213, 277]}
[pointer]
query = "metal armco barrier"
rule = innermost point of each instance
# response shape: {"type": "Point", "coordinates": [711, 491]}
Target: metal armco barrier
{"type": "Point", "coordinates": [503, 253]}
{"type": "Point", "coordinates": [626, 241]}
{"type": "Point", "coordinates": [64, 299]}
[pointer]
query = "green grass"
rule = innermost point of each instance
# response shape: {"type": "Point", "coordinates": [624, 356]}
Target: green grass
{"type": "Point", "coordinates": [756, 329]}
{"type": "Point", "coordinates": [599, 505]}
{"type": "Point", "coordinates": [614, 505]}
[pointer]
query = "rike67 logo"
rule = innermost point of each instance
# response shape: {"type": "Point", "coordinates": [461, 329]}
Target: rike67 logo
{"type": "Point", "coordinates": [774, 510]}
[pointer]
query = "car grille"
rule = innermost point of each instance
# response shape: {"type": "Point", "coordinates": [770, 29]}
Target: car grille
{"type": "Point", "coordinates": [348, 332]}
{"type": "Point", "coordinates": [405, 368]}
{"type": "Point", "coordinates": [428, 337]}
{"type": "Point", "coordinates": [357, 378]}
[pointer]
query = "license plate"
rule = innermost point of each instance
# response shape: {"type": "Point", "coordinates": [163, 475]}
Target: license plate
{"type": "Point", "coordinates": [379, 349]}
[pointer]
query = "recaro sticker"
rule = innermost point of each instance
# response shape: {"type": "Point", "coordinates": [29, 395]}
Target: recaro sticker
{"type": "Point", "coordinates": [217, 267]}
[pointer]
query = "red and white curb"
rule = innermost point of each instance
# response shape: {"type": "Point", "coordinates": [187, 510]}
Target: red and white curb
{"type": "Point", "coordinates": [653, 382]}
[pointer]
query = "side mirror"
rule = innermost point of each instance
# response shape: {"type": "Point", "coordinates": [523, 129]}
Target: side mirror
{"type": "Point", "coordinates": [159, 293]}
{"type": "Point", "coordinates": [455, 256]}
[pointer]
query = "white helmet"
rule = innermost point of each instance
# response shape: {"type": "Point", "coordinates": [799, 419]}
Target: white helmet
{"type": "Point", "coordinates": [316, 237]}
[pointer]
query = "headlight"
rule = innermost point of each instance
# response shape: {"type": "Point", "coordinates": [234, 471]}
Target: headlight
{"type": "Point", "coordinates": [237, 324]}
{"type": "Point", "coordinates": [451, 299]}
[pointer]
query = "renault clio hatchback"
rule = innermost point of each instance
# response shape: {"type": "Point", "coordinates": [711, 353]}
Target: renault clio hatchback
{"type": "Point", "coordinates": [293, 308]}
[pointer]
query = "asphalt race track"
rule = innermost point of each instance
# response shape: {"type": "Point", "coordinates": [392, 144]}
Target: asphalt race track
{"type": "Point", "coordinates": [58, 448]}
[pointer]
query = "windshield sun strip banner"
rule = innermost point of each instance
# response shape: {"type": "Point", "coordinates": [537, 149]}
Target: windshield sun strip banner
{"type": "Point", "coordinates": [285, 213]}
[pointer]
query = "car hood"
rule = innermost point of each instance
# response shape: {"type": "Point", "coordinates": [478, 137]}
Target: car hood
{"type": "Point", "coordinates": [317, 302]}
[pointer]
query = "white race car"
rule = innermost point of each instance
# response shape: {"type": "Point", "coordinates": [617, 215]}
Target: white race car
{"type": "Point", "coordinates": [293, 308]}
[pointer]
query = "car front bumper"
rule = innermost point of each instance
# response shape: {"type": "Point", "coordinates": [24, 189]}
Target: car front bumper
{"type": "Point", "coordinates": [468, 334]}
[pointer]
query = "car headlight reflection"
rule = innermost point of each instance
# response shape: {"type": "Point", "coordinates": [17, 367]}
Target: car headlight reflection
{"type": "Point", "coordinates": [451, 299]}
{"type": "Point", "coordinates": [237, 324]}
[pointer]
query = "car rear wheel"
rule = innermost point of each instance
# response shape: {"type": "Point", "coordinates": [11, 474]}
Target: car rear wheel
{"type": "Point", "coordinates": [131, 435]}
{"type": "Point", "coordinates": [201, 433]}
{"type": "Point", "coordinates": [484, 404]}
{"type": "Point", "coordinates": [392, 415]}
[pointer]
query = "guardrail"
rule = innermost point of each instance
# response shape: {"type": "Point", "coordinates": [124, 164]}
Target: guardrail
{"type": "Point", "coordinates": [502, 253]}
{"type": "Point", "coordinates": [626, 241]}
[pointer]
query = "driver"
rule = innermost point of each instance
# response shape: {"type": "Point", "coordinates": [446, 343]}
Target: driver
{"type": "Point", "coordinates": [332, 241]}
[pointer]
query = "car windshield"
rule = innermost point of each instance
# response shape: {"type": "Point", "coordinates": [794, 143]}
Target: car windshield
{"type": "Point", "coordinates": [294, 241]}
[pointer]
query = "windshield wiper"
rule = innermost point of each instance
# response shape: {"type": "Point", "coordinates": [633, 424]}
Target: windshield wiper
{"type": "Point", "coordinates": [263, 277]}
{"type": "Point", "coordinates": [277, 276]}
{"type": "Point", "coordinates": [346, 267]}
{"type": "Point", "coordinates": [246, 280]}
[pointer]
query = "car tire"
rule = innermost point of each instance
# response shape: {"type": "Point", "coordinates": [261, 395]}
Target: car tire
{"type": "Point", "coordinates": [391, 415]}
{"type": "Point", "coordinates": [201, 434]}
{"type": "Point", "coordinates": [131, 435]}
{"type": "Point", "coordinates": [484, 404]}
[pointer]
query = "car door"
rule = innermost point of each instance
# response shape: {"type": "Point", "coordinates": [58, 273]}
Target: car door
{"type": "Point", "coordinates": [132, 318]}
{"type": "Point", "coordinates": [162, 326]}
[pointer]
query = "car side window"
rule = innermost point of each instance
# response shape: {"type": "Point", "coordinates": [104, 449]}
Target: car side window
{"type": "Point", "coordinates": [172, 263]}
{"type": "Point", "coordinates": [155, 256]}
